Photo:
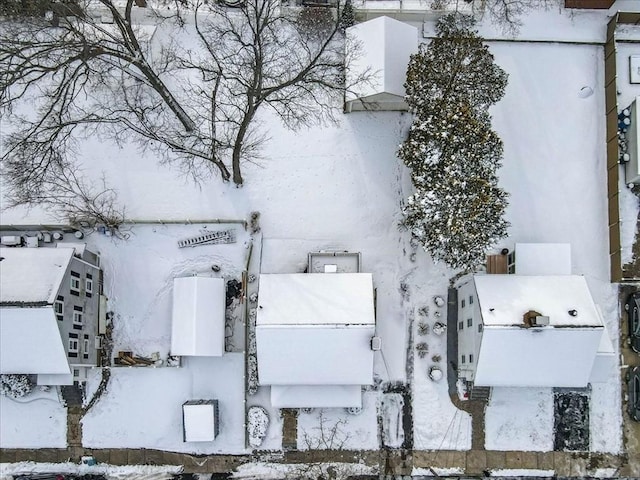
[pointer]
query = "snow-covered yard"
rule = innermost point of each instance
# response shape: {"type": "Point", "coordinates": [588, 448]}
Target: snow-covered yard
{"type": "Point", "coordinates": [340, 187]}
{"type": "Point", "coordinates": [36, 421]}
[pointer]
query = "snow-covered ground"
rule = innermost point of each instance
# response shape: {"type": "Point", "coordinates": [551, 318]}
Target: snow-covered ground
{"type": "Point", "coordinates": [110, 472]}
{"type": "Point", "coordinates": [36, 421]}
{"type": "Point", "coordinates": [143, 406]}
{"type": "Point", "coordinates": [341, 187]}
{"type": "Point", "coordinates": [519, 419]}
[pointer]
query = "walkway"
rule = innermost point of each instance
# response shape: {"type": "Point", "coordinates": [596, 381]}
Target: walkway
{"type": "Point", "coordinates": [473, 462]}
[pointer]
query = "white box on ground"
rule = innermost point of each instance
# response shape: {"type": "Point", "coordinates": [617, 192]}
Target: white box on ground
{"type": "Point", "coordinates": [200, 420]}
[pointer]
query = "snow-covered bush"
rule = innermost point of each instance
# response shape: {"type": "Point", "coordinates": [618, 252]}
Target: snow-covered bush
{"type": "Point", "coordinates": [258, 422]}
{"type": "Point", "coordinates": [439, 328]}
{"type": "Point", "coordinates": [423, 328]}
{"type": "Point", "coordinates": [457, 210]}
{"type": "Point", "coordinates": [15, 386]}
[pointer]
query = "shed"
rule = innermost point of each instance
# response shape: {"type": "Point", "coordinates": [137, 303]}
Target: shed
{"type": "Point", "coordinates": [197, 327]}
{"type": "Point", "coordinates": [313, 337]}
{"type": "Point", "coordinates": [382, 48]}
{"type": "Point", "coordinates": [200, 420]}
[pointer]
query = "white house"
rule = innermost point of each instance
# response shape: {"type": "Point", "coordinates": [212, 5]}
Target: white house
{"type": "Point", "coordinates": [380, 49]}
{"type": "Point", "coordinates": [197, 324]}
{"type": "Point", "coordinates": [49, 310]}
{"type": "Point", "coordinates": [537, 328]}
{"type": "Point", "coordinates": [313, 336]}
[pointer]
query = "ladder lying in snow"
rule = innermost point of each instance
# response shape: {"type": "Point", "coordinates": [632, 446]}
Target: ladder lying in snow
{"type": "Point", "coordinates": [221, 236]}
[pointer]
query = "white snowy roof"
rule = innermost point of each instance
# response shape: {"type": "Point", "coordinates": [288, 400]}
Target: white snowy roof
{"type": "Point", "coordinates": [30, 341]}
{"type": "Point", "coordinates": [384, 46]}
{"type": "Point", "coordinates": [314, 355]}
{"type": "Point", "coordinates": [32, 274]}
{"type": "Point", "coordinates": [316, 396]}
{"type": "Point", "coordinates": [316, 299]}
{"type": "Point", "coordinates": [537, 357]}
{"type": "Point", "coordinates": [504, 299]}
{"type": "Point", "coordinates": [543, 259]}
{"type": "Point", "coordinates": [559, 355]}
{"type": "Point", "coordinates": [315, 329]}
{"type": "Point", "coordinates": [199, 422]}
{"type": "Point", "coordinates": [197, 326]}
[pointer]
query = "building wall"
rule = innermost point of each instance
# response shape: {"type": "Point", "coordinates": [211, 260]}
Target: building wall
{"type": "Point", "coordinates": [84, 300]}
{"type": "Point", "coordinates": [469, 330]}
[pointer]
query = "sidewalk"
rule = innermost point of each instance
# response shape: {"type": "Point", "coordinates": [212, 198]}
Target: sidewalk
{"type": "Point", "coordinates": [473, 462]}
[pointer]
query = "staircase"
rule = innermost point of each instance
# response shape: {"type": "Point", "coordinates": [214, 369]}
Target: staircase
{"type": "Point", "coordinates": [72, 395]}
{"type": "Point", "coordinates": [480, 393]}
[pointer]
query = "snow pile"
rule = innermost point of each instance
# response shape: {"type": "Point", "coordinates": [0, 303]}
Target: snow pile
{"type": "Point", "coordinates": [15, 386]}
{"type": "Point", "coordinates": [514, 472]}
{"type": "Point", "coordinates": [519, 419]}
{"type": "Point", "coordinates": [258, 425]}
{"type": "Point", "coordinates": [436, 471]}
{"type": "Point", "coordinates": [111, 472]}
{"type": "Point", "coordinates": [392, 429]}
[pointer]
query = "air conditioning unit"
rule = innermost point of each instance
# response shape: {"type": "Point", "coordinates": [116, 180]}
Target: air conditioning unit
{"type": "Point", "coordinates": [541, 321]}
{"type": "Point", "coordinates": [98, 342]}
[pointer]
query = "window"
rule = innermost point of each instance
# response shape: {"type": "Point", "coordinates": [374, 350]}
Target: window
{"type": "Point", "coordinates": [462, 304]}
{"type": "Point", "coordinates": [73, 345]}
{"type": "Point", "coordinates": [471, 358]}
{"type": "Point", "coordinates": [88, 285]}
{"type": "Point", "coordinates": [85, 347]}
{"type": "Point", "coordinates": [463, 359]}
{"type": "Point", "coordinates": [460, 325]}
{"type": "Point", "coordinates": [75, 284]}
{"type": "Point", "coordinates": [470, 299]}
{"type": "Point", "coordinates": [58, 307]}
{"type": "Point", "coordinates": [469, 322]}
{"type": "Point", "coordinates": [479, 328]}
{"type": "Point", "coordinates": [77, 317]}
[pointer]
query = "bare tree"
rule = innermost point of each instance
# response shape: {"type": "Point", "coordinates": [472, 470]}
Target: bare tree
{"type": "Point", "coordinates": [70, 75]}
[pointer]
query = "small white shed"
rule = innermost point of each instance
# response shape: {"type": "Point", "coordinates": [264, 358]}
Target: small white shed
{"type": "Point", "coordinates": [632, 167]}
{"type": "Point", "coordinates": [200, 421]}
{"type": "Point", "coordinates": [197, 327]}
{"type": "Point", "coordinates": [380, 47]}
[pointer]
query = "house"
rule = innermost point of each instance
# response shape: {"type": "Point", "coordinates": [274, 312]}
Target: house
{"type": "Point", "coordinates": [49, 310]}
{"type": "Point", "coordinates": [381, 49]}
{"type": "Point", "coordinates": [314, 336]}
{"type": "Point", "coordinates": [197, 325]}
{"type": "Point", "coordinates": [538, 327]}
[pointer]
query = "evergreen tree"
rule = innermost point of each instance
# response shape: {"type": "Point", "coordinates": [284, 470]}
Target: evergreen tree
{"type": "Point", "coordinates": [457, 210]}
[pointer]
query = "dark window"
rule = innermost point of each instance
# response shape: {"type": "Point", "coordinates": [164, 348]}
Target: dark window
{"type": "Point", "coordinates": [58, 307]}
{"type": "Point", "coordinates": [73, 354]}
{"type": "Point", "coordinates": [74, 345]}
{"type": "Point", "coordinates": [463, 359]}
{"type": "Point", "coordinates": [469, 322]}
{"type": "Point", "coordinates": [479, 327]}
{"type": "Point", "coordinates": [85, 346]}
{"type": "Point", "coordinates": [471, 358]}
{"type": "Point", "coordinates": [460, 325]}
{"type": "Point", "coordinates": [77, 317]}
{"type": "Point", "coordinates": [75, 274]}
{"type": "Point", "coordinates": [470, 299]}
{"type": "Point", "coordinates": [89, 276]}
{"type": "Point", "coordinates": [462, 304]}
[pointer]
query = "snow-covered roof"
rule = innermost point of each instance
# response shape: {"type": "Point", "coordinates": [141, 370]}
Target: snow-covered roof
{"type": "Point", "coordinates": [199, 422]}
{"type": "Point", "coordinates": [537, 357]}
{"type": "Point", "coordinates": [30, 341]}
{"type": "Point", "coordinates": [504, 299]}
{"type": "Point", "coordinates": [314, 396]}
{"type": "Point", "coordinates": [543, 259]}
{"type": "Point", "coordinates": [316, 299]}
{"type": "Point", "coordinates": [315, 355]}
{"type": "Point", "coordinates": [32, 275]}
{"type": "Point", "coordinates": [315, 329]}
{"type": "Point", "coordinates": [559, 355]}
{"type": "Point", "coordinates": [383, 47]}
{"type": "Point", "coordinates": [197, 326]}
